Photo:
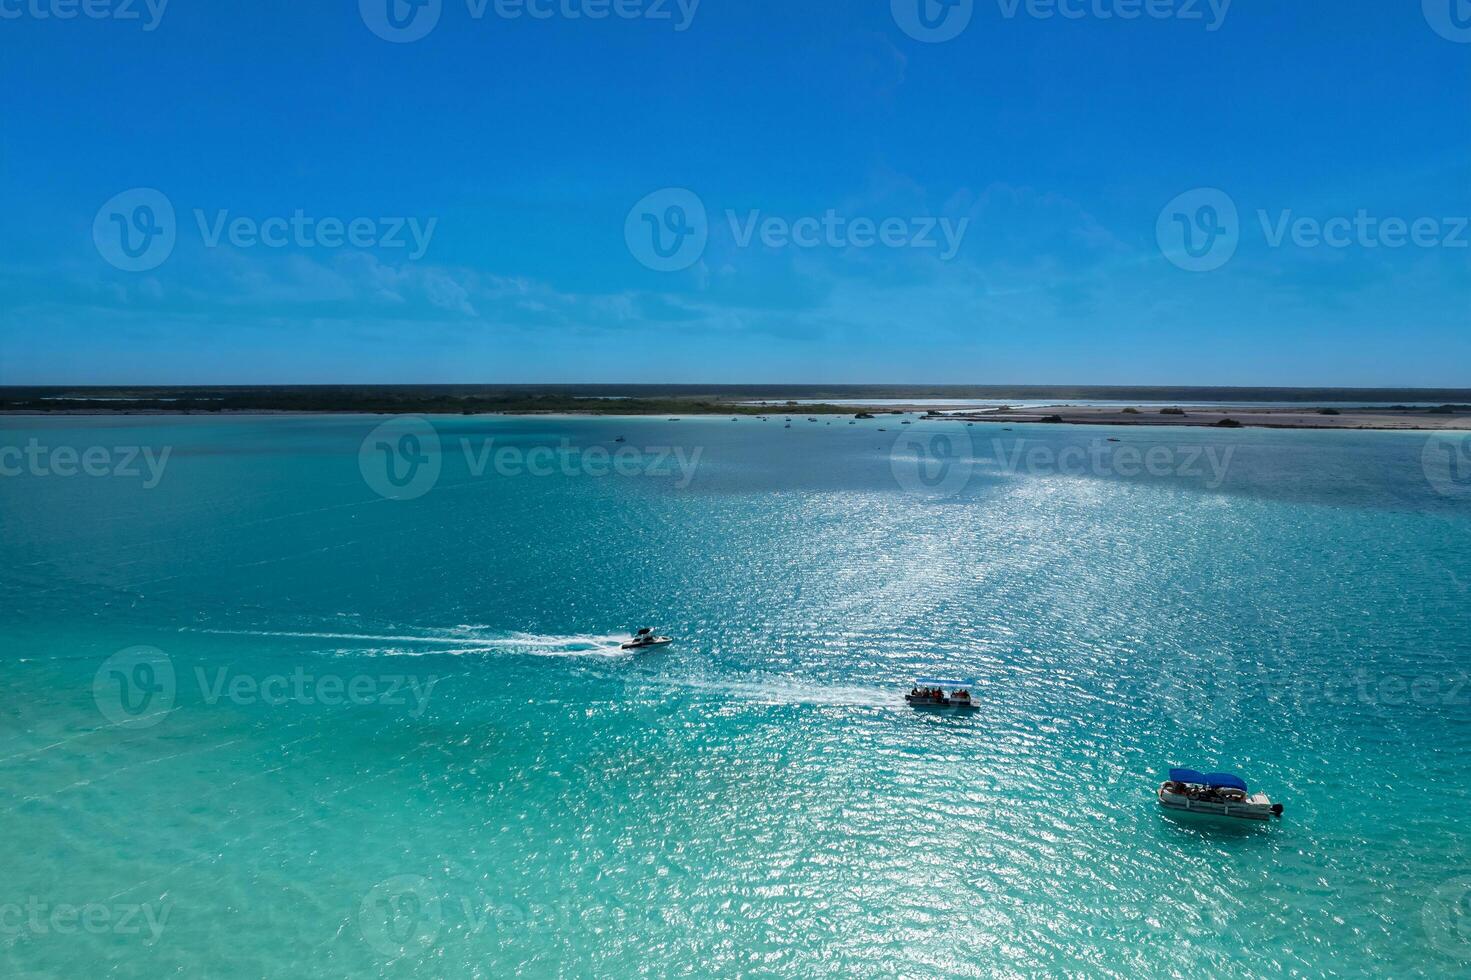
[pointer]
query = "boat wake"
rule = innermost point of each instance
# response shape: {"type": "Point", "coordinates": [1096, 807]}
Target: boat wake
{"type": "Point", "coordinates": [459, 640]}
{"type": "Point", "coordinates": [784, 691]}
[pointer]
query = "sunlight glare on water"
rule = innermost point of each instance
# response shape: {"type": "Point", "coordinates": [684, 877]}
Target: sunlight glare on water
{"type": "Point", "coordinates": [513, 791]}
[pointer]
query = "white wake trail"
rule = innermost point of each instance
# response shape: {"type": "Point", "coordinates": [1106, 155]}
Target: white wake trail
{"type": "Point", "coordinates": [532, 644]}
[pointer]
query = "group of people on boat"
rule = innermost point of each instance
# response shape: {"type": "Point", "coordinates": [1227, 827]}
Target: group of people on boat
{"type": "Point", "coordinates": [1205, 794]}
{"type": "Point", "coordinates": [938, 694]}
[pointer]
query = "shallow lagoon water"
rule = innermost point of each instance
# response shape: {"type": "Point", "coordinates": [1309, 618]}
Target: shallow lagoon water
{"type": "Point", "coordinates": [283, 725]}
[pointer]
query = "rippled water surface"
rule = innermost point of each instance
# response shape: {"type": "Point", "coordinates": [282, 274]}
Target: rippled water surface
{"type": "Point", "coordinates": [260, 720]}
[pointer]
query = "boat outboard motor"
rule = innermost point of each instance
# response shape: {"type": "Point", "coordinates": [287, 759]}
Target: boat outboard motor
{"type": "Point", "coordinates": [1277, 809]}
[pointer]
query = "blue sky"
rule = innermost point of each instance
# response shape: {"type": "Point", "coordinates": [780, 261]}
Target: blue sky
{"type": "Point", "coordinates": [1067, 155]}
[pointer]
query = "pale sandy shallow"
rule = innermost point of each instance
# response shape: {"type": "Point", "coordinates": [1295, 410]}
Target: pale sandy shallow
{"type": "Point", "coordinates": [1272, 418]}
{"type": "Point", "coordinates": [1277, 418]}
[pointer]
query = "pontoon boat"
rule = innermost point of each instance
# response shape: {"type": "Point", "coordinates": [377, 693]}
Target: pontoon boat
{"type": "Point", "coordinates": [1216, 794]}
{"type": "Point", "coordinates": [931, 693]}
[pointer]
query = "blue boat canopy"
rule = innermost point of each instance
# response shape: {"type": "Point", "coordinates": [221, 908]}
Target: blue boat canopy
{"type": "Point", "coordinates": [1224, 780]}
{"type": "Point", "coordinates": [941, 682]}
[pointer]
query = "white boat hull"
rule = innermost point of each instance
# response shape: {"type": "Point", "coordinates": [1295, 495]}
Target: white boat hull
{"type": "Point", "coordinates": [947, 704]}
{"type": "Point", "coordinates": [1254, 807]}
{"type": "Point", "coordinates": [657, 641]}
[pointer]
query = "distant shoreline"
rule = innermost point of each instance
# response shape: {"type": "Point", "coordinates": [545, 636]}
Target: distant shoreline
{"type": "Point", "coordinates": [1306, 418]}
{"type": "Point", "coordinates": [730, 393]}
{"type": "Point", "coordinates": [1286, 408]}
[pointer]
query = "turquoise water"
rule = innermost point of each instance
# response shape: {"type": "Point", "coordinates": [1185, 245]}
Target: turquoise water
{"type": "Point", "coordinates": [507, 793]}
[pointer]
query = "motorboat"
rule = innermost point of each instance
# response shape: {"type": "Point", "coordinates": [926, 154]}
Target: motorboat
{"type": "Point", "coordinates": [929, 692]}
{"type": "Point", "coordinates": [644, 639]}
{"type": "Point", "coordinates": [1215, 794]}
